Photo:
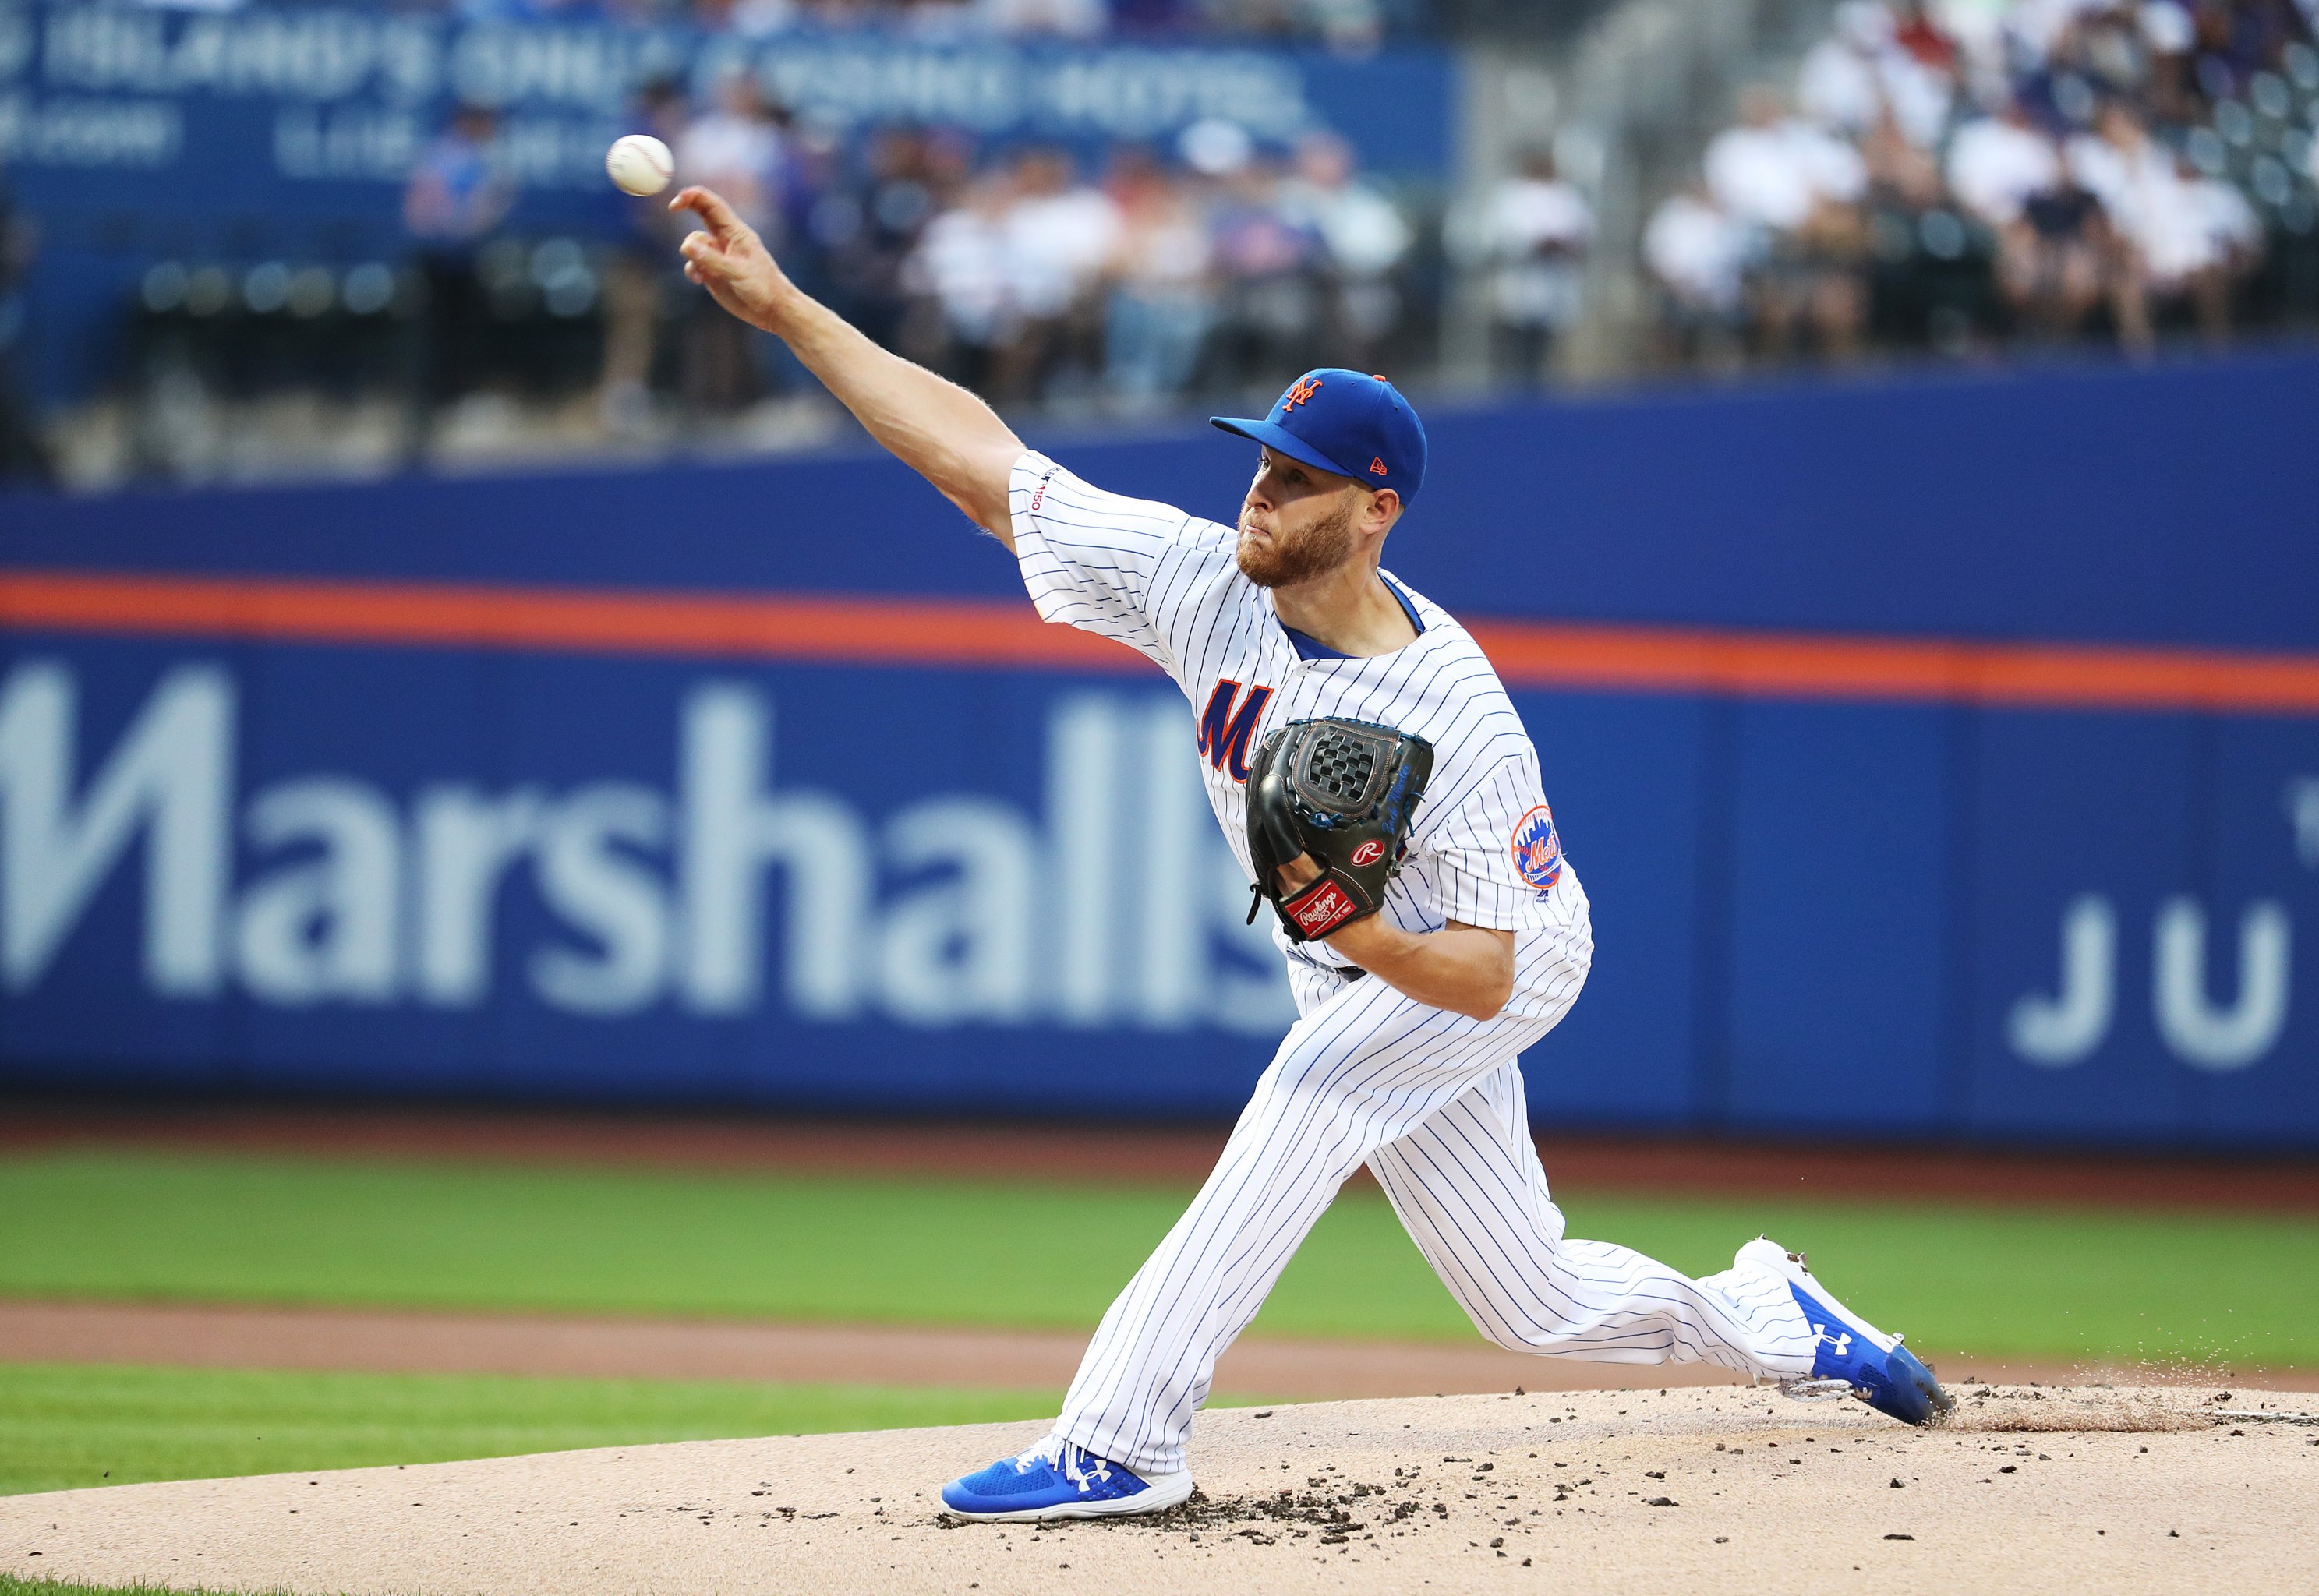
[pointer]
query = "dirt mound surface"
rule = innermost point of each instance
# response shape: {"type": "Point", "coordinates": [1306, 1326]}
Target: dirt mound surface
{"type": "Point", "coordinates": [1691, 1489]}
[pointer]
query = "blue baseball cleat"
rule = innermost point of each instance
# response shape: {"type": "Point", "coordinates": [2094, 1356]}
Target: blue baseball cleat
{"type": "Point", "coordinates": [1879, 1370]}
{"type": "Point", "coordinates": [1057, 1480]}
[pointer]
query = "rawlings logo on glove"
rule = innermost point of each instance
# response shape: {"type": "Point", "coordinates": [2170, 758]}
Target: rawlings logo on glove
{"type": "Point", "coordinates": [1341, 792]}
{"type": "Point", "coordinates": [1321, 908]}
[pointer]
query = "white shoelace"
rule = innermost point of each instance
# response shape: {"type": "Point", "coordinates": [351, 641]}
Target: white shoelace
{"type": "Point", "coordinates": [1065, 1460]}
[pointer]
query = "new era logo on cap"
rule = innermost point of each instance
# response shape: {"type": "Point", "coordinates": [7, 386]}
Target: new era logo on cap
{"type": "Point", "coordinates": [1332, 419]}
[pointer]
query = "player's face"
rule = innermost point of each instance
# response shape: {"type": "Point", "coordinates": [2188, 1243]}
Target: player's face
{"type": "Point", "coordinates": [1295, 523]}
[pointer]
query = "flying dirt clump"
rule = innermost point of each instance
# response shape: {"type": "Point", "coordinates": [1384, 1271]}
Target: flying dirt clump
{"type": "Point", "coordinates": [2036, 1408]}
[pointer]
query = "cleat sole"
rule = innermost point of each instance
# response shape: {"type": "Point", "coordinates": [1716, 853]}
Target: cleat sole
{"type": "Point", "coordinates": [1156, 1497]}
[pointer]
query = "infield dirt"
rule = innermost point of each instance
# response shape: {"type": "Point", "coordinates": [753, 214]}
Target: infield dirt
{"type": "Point", "coordinates": [1689, 1490]}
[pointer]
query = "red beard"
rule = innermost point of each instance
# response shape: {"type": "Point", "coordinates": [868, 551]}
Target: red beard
{"type": "Point", "coordinates": [1289, 558]}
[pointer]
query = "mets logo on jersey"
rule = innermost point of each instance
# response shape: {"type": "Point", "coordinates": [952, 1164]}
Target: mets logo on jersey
{"type": "Point", "coordinates": [1227, 726]}
{"type": "Point", "coordinates": [1538, 851]}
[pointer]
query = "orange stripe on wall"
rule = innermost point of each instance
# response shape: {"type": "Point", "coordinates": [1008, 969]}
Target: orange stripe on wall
{"type": "Point", "coordinates": [1005, 633]}
{"type": "Point", "coordinates": [876, 631]}
{"type": "Point", "coordinates": [1789, 665]}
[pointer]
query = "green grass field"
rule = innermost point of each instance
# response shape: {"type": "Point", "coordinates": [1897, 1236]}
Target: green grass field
{"type": "Point", "coordinates": [1986, 1279]}
{"type": "Point", "coordinates": [2028, 1283]}
{"type": "Point", "coordinates": [63, 1425]}
{"type": "Point", "coordinates": [10, 1585]}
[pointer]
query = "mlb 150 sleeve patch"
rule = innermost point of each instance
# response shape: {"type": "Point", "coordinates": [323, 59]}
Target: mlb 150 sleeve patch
{"type": "Point", "coordinates": [1091, 559]}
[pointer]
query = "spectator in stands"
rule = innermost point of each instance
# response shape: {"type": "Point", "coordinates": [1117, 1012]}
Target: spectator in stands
{"type": "Point", "coordinates": [2145, 158]}
{"type": "Point", "coordinates": [23, 456]}
{"type": "Point", "coordinates": [1929, 266]}
{"type": "Point", "coordinates": [1162, 299]}
{"type": "Point", "coordinates": [2132, 177]}
{"type": "Point", "coordinates": [1539, 227]}
{"type": "Point", "coordinates": [456, 201]}
{"type": "Point", "coordinates": [1797, 187]}
{"type": "Point", "coordinates": [2204, 241]}
{"type": "Point", "coordinates": [866, 225]}
{"type": "Point", "coordinates": [1057, 235]}
{"type": "Point", "coordinates": [642, 275]}
{"type": "Point", "coordinates": [1696, 253]}
{"type": "Point", "coordinates": [738, 143]}
{"type": "Point", "coordinates": [1926, 40]}
{"type": "Point", "coordinates": [1271, 263]}
{"type": "Point", "coordinates": [2063, 259]}
{"type": "Point", "coordinates": [1774, 171]}
{"type": "Point", "coordinates": [735, 149]}
{"type": "Point", "coordinates": [958, 277]}
{"type": "Point", "coordinates": [2191, 238]}
{"type": "Point", "coordinates": [1862, 74]}
{"type": "Point", "coordinates": [1996, 163]}
{"type": "Point", "coordinates": [2057, 258]}
{"type": "Point", "coordinates": [1364, 239]}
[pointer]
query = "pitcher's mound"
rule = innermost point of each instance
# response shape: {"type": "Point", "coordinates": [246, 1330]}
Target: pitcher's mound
{"type": "Point", "coordinates": [1623, 1492]}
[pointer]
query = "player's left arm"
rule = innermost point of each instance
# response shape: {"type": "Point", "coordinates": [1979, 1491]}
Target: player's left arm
{"type": "Point", "coordinates": [1467, 969]}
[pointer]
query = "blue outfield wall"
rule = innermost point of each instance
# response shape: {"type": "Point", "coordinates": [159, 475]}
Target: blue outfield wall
{"type": "Point", "coordinates": [235, 863]}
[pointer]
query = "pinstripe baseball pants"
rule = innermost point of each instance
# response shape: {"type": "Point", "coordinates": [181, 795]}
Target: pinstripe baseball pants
{"type": "Point", "coordinates": [1433, 1103]}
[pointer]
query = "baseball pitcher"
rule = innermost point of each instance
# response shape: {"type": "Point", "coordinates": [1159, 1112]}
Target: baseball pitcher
{"type": "Point", "coordinates": [1375, 782]}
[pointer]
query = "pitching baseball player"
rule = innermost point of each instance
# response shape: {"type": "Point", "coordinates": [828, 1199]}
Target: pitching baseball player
{"type": "Point", "coordinates": [1371, 774]}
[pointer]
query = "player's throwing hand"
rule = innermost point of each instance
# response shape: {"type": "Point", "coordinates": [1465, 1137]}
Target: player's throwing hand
{"type": "Point", "coordinates": [730, 260]}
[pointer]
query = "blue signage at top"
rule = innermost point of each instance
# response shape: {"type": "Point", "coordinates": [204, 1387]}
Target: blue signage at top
{"type": "Point", "coordinates": [315, 111]}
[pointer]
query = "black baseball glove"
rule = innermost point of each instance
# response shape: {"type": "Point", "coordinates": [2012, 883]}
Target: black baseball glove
{"type": "Point", "coordinates": [1342, 791]}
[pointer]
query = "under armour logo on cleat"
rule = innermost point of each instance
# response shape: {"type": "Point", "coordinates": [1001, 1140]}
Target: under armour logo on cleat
{"type": "Point", "coordinates": [1842, 1344]}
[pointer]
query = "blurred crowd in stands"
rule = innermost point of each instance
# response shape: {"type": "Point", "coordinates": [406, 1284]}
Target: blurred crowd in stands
{"type": "Point", "coordinates": [1213, 266]}
{"type": "Point", "coordinates": [23, 452]}
{"type": "Point", "coordinates": [1959, 176]}
{"type": "Point", "coordinates": [1952, 173]}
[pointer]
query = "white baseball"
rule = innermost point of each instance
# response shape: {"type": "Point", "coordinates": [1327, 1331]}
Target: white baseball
{"type": "Point", "coordinates": [640, 165]}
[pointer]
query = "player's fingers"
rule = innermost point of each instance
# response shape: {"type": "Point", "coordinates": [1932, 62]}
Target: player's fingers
{"type": "Point", "coordinates": [701, 253]}
{"type": "Point", "coordinates": [709, 205]}
{"type": "Point", "coordinates": [691, 272]}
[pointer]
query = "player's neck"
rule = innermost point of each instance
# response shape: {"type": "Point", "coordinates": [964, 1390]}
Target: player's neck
{"type": "Point", "coordinates": [1348, 609]}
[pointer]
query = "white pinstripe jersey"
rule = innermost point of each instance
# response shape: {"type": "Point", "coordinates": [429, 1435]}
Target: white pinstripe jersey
{"type": "Point", "coordinates": [1482, 846]}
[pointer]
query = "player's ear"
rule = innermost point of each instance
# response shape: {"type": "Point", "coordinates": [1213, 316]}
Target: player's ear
{"type": "Point", "coordinates": [1383, 510]}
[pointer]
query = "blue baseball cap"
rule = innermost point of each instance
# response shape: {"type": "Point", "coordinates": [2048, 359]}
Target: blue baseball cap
{"type": "Point", "coordinates": [1339, 421]}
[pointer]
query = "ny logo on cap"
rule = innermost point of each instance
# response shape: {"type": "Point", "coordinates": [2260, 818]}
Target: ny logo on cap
{"type": "Point", "coordinates": [1305, 388]}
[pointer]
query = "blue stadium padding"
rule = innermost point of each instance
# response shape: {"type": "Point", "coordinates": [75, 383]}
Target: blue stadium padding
{"type": "Point", "coordinates": [2066, 806]}
{"type": "Point", "coordinates": [1839, 874]}
{"type": "Point", "coordinates": [2101, 503]}
{"type": "Point", "coordinates": [1625, 773]}
{"type": "Point", "coordinates": [1821, 916]}
{"type": "Point", "coordinates": [2262, 770]}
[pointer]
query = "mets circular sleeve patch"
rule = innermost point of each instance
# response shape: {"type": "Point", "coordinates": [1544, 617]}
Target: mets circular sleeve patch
{"type": "Point", "coordinates": [1538, 851]}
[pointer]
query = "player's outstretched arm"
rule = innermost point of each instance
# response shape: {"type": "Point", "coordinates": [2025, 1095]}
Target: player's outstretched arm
{"type": "Point", "coordinates": [934, 426]}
